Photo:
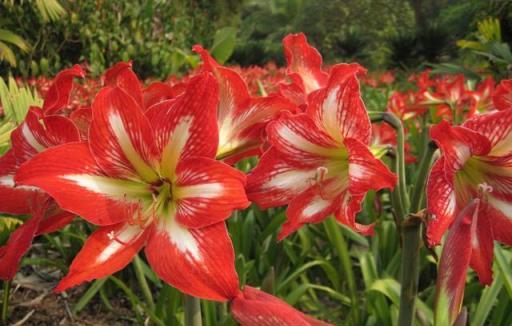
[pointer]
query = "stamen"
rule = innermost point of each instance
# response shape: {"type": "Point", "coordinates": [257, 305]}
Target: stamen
{"type": "Point", "coordinates": [321, 172]}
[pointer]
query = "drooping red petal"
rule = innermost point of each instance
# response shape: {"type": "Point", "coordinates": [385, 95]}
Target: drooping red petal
{"type": "Point", "coordinates": [39, 132]}
{"type": "Point", "coordinates": [365, 171]}
{"type": "Point", "coordinates": [82, 119]}
{"type": "Point", "coordinates": [275, 181]}
{"type": "Point", "coordinates": [60, 91]}
{"type": "Point", "coordinates": [338, 109]}
{"type": "Point", "coordinates": [497, 127]}
{"type": "Point", "coordinates": [458, 144]}
{"type": "Point", "coordinates": [304, 61]}
{"type": "Point", "coordinates": [187, 126]}
{"type": "Point", "coordinates": [122, 76]}
{"type": "Point", "coordinates": [69, 174]}
{"type": "Point", "coordinates": [454, 263]}
{"type": "Point", "coordinates": [441, 203]}
{"type": "Point", "coordinates": [482, 246]}
{"type": "Point", "coordinates": [253, 307]}
{"type": "Point", "coordinates": [121, 138]}
{"type": "Point", "coordinates": [13, 199]}
{"type": "Point", "coordinates": [297, 137]}
{"type": "Point", "coordinates": [199, 262]}
{"type": "Point", "coordinates": [106, 251]}
{"type": "Point", "coordinates": [207, 191]}
{"type": "Point", "coordinates": [157, 92]}
{"type": "Point", "coordinates": [312, 206]}
{"type": "Point", "coordinates": [502, 97]}
{"type": "Point", "coordinates": [19, 242]}
{"type": "Point", "coordinates": [350, 206]}
{"type": "Point", "coordinates": [55, 222]}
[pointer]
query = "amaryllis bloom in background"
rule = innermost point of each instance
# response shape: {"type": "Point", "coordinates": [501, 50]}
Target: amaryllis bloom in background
{"type": "Point", "coordinates": [319, 162]}
{"type": "Point", "coordinates": [40, 130]}
{"type": "Point", "coordinates": [304, 68]}
{"type": "Point", "coordinates": [240, 117]}
{"type": "Point", "coordinates": [154, 182]}
{"type": "Point", "coordinates": [502, 97]}
{"type": "Point", "coordinates": [475, 163]}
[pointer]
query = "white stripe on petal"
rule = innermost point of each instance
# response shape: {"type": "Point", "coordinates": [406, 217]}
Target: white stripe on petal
{"type": "Point", "coordinates": [297, 141]}
{"type": "Point", "coordinates": [503, 206]}
{"type": "Point", "coordinates": [316, 206]}
{"type": "Point", "coordinates": [8, 181]}
{"type": "Point", "coordinates": [180, 236]}
{"type": "Point", "coordinates": [207, 190]}
{"type": "Point", "coordinates": [29, 137]}
{"type": "Point", "coordinates": [116, 188]}
{"type": "Point", "coordinates": [127, 234]}
{"type": "Point", "coordinates": [292, 180]}
{"type": "Point", "coordinates": [175, 145]}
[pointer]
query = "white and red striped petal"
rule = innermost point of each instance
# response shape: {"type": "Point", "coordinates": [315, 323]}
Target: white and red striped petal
{"type": "Point", "coordinates": [312, 206]}
{"type": "Point", "coordinates": [187, 126]}
{"type": "Point", "coordinates": [297, 137]}
{"type": "Point", "coordinates": [207, 191]}
{"type": "Point", "coordinates": [441, 203]}
{"type": "Point", "coordinates": [121, 75]}
{"type": "Point", "coordinates": [106, 251]}
{"type": "Point", "coordinates": [502, 97]}
{"type": "Point", "coordinates": [482, 246]}
{"type": "Point", "coordinates": [338, 109]}
{"type": "Point", "coordinates": [305, 62]}
{"type": "Point", "coordinates": [365, 171]}
{"type": "Point", "coordinates": [499, 213]}
{"type": "Point", "coordinates": [253, 307]}
{"type": "Point", "coordinates": [69, 174]}
{"type": "Point", "coordinates": [350, 206]}
{"type": "Point", "coordinates": [13, 199]}
{"type": "Point", "coordinates": [39, 132]}
{"type": "Point", "coordinates": [199, 262]}
{"type": "Point", "coordinates": [497, 127]}
{"type": "Point", "coordinates": [59, 93]}
{"type": "Point", "coordinates": [121, 138]}
{"type": "Point", "coordinates": [275, 181]}
{"type": "Point", "coordinates": [454, 264]}
{"type": "Point", "coordinates": [458, 144]}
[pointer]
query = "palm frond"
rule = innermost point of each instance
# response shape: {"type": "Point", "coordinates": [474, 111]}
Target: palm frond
{"type": "Point", "coordinates": [50, 10]}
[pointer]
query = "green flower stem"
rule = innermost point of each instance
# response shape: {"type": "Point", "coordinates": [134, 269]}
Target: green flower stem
{"type": "Point", "coordinates": [5, 302]}
{"type": "Point", "coordinates": [336, 238]}
{"type": "Point", "coordinates": [192, 307]}
{"type": "Point", "coordinates": [421, 179]}
{"type": "Point", "coordinates": [144, 287]}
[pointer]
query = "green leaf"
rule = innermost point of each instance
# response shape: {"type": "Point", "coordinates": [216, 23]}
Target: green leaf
{"type": "Point", "coordinates": [224, 44]}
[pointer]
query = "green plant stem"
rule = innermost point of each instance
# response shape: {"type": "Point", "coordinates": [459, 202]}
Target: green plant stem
{"type": "Point", "coordinates": [192, 307]}
{"type": "Point", "coordinates": [5, 302]}
{"type": "Point", "coordinates": [421, 179]}
{"type": "Point", "coordinates": [139, 273]}
{"type": "Point", "coordinates": [336, 238]}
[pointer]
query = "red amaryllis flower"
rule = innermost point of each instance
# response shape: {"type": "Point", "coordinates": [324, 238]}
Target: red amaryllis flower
{"type": "Point", "coordinates": [454, 264]}
{"type": "Point", "coordinates": [256, 308]}
{"type": "Point", "coordinates": [59, 93]}
{"type": "Point", "coordinates": [319, 162]}
{"type": "Point", "coordinates": [502, 97]}
{"type": "Point", "coordinates": [154, 181]}
{"type": "Point", "coordinates": [476, 162]}
{"type": "Point", "coordinates": [241, 118]}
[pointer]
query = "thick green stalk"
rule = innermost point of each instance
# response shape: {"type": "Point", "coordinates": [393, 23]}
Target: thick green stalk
{"type": "Point", "coordinates": [5, 302]}
{"type": "Point", "coordinates": [144, 287]}
{"type": "Point", "coordinates": [336, 238]}
{"type": "Point", "coordinates": [192, 307]}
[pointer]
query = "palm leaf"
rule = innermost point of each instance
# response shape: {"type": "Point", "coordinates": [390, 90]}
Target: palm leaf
{"type": "Point", "coordinates": [50, 10]}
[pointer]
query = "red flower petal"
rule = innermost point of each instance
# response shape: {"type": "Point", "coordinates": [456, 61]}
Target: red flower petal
{"type": "Point", "coordinates": [441, 203]}
{"type": "Point", "coordinates": [275, 181]}
{"type": "Point", "coordinates": [497, 127]}
{"type": "Point", "coordinates": [350, 206]}
{"type": "Point", "coordinates": [19, 242]}
{"type": "Point", "coordinates": [482, 246]}
{"type": "Point", "coordinates": [300, 140]}
{"type": "Point", "coordinates": [499, 213]}
{"type": "Point", "coordinates": [458, 144]}
{"type": "Point", "coordinates": [502, 97]}
{"type": "Point", "coordinates": [121, 138]}
{"type": "Point", "coordinates": [312, 206]}
{"type": "Point", "coordinates": [253, 307]}
{"type": "Point", "coordinates": [69, 173]}
{"type": "Point", "coordinates": [13, 199]}
{"type": "Point", "coordinates": [365, 171]}
{"type": "Point", "coordinates": [157, 92]}
{"type": "Point", "coordinates": [454, 262]}
{"type": "Point", "coordinates": [60, 91]}
{"type": "Point", "coordinates": [338, 109]}
{"type": "Point", "coordinates": [199, 262]}
{"type": "Point", "coordinates": [106, 251]}
{"type": "Point", "coordinates": [304, 61]}
{"type": "Point", "coordinates": [82, 119]}
{"type": "Point", "coordinates": [122, 76]}
{"type": "Point", "coordinates": [207, 191]}
{"type": "Point", "coordinates": [39, 132]}
{"type": "Point", "coordinates": [55, 222]}
{"type": "Point", "coordinates": [186, 126]}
